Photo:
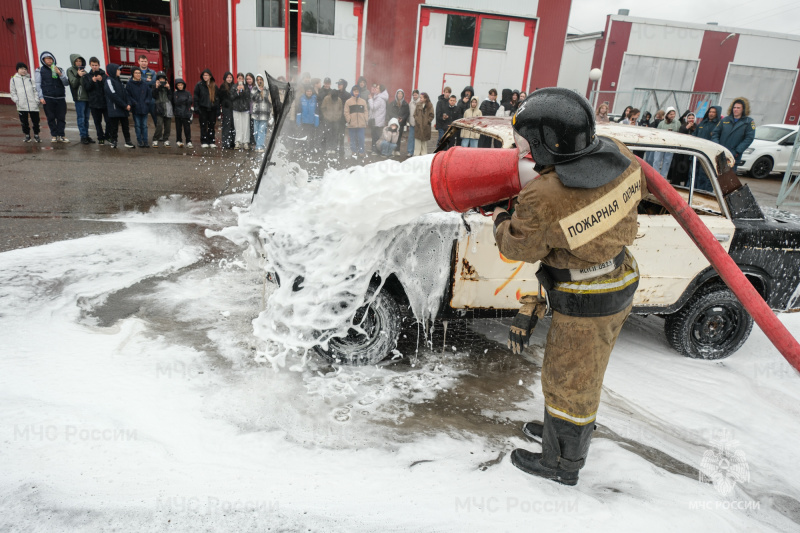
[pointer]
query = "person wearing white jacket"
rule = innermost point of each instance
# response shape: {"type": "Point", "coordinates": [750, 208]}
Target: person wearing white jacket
{"type": "Point", "coordinates": [377, 113]}
{"type": "Point", "coordinates": [24, 96]}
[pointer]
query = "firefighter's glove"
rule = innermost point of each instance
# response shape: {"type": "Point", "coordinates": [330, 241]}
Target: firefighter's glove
{"type": "Point", "coordinates": [521, 327]}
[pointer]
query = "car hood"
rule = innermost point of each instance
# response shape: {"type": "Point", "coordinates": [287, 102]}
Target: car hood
{"type": "Point", "coordinates": [757, 143]}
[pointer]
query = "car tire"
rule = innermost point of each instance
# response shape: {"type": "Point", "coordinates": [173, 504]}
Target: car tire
{"type": "Point", "coordinates": [762, 167]}
{"type": "Point", "coordinates": [382, 323]}
{"type": "Point", "coordinates": [712, 325]}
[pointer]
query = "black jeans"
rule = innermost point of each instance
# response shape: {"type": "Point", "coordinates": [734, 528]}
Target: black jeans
{"type": "Point", "coordinates": [183, 126]}
{"type": "Point", "coordinates": [56, 112]}
{"type": "Point", "coordinates": [23, 118]}
{"type": "Point", "coordinates": [99, 115]}
{"type": "Point", "coordinates": [114, 125]}
{"type": "Point", "coordinates": [228, 132]}
{"type": "Point", "coordinates": [208, 120]}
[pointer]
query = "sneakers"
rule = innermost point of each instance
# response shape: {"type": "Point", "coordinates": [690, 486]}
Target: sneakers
{"type": "Point", "coordinates": [112, 144]}
{"type": "Point", "coordinates": [189, 145]}
{"type": "Point", "coordinates": [54, 140]}
{"type": "Point", "coordinates": [101, 141]}
{"type": "Point", "coordinates": [63, 140]}
{"type": "Point", "coordinates": [155, 143]}
{"type": "Point", "coordinates": [84, 140]}
{"type": "Point", "coordinates": [128, 144]}
{"type": "Point", "coordinates": [212, 145]}
{"type": "Point", "coordinates": [179, 144]}
{"type": "Point", "coordinates": [166, 143]}
{"type": "Point", "coordinates": [27, 139]}
{"type": "Point", "coordinates": [236, 146]}
{"type": "Point", "coordinates": [204, 145]}
{"type": "Point", "coordinates": [396, 152]}
{"type": "Point", "coordinates": [37, 139]}
{"type": "Point", "coordinates": [91, 141]}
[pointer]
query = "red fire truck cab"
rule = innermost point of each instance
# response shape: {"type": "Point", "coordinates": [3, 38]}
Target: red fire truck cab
{"type": "Point", "coordinates": [132, 36]}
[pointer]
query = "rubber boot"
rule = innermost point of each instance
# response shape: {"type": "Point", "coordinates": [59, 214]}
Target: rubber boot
{"type": "Point", "coordinates": [564, 449]}
{"type": "Point", "coordinates": [533, 430]}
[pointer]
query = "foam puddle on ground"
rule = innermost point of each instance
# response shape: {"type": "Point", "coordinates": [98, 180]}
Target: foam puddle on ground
{"type": "Point", "coordinates": [326, 239]}
{"type": "Point", "coordinates": [144, 339]}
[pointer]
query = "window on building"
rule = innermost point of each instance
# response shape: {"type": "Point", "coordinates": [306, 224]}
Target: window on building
{"type": "Point", "coordinates": [88, 5]}
{"type": "Point", "coordinates": [269, 13]}
{"type": "Point", "coordinates": [318, 16]}
{"type": "Point", "coordinates": [129, 38]}
{"type": "Point", "coordinates": [493, 34]}
{"type": "Point", "coordinates": [460, 30]}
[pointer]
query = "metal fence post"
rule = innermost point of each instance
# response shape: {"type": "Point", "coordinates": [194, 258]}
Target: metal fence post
{"type": "Point", "coordinates": [787, 185]}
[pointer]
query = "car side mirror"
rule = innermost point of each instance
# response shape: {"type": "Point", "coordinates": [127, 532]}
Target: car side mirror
{"type": "Point", "coordinates": [787, 142]}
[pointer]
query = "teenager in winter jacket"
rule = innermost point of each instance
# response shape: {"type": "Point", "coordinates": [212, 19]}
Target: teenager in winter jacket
{"type": "Point", "coordinates": [390, 138]}
{"type": "Point", "coordinates": [226, 110]}
{"type": "Point", "coordinates": [93, 83]}
{"type": "Point", "coordinates": [162, 99]}
{"type": "Point", "coordinates": [737, 130]}
{"type": "Point", "coordinates": [446, 114]}
{"type": "Point", "coordinates": [50, 83]}
{"type": "Point", "coordinates": [307, 116]}
{"type": "Point", "coordinates": [355, 116]}
{"type": "Point", "coordinates": [182, 109]}
{"type": "Point", "coordinates": [412, 107]}
{"type": "Point", "coordinates": [423, 116]}
{"type": "Point", "coordinates": [704, 130]}
{"type": "Point", "coordinates": [506, 104]}
{"type": "Point", "coordinates": [490, 106]}
{"type": "Point", "coordinates": [601, 115]}
{"type": "Point", "coordinates": [139, 98]}
{"type": "Point", "coordinates": [441, 103]}
{"type": "Point", "coordinates": [464, 102]}
{"type": "Point", "coordinates": [23, 94]}
{"type": "Point", "coordinates": [399, 109]}
{"type": "Point", "coordinates": [377, 102]}
{"type": "Point", "coordinates": [240, 106]}
{"type": "Point", "coordinates": [260, 111]}
{"type": "Point", "coordinates": [118, 106]}
{"type": "Point", "coordinates": [470, 138]}
{"type": "Point", "coordinates": [206, 103]}
{"type": "Point", "coordinates": [662, 160]}
{"type": "Point", "coordinates": [332, 110]}
{"type": "Point", "coordinates": [75, 75]}
{"type": "Point", "coordinates": [250, 83]}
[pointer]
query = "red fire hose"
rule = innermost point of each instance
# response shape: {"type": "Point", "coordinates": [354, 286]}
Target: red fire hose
{"type": "Point", "coordinates": [724, 265]}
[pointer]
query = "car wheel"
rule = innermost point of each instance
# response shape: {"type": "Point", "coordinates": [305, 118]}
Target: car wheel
{"type": "Point", "coordinates": [712, 325]}
{"type": "Point", "coordinates": [381, 321]}
{"type": "Point", "coordinates": [762, 167]}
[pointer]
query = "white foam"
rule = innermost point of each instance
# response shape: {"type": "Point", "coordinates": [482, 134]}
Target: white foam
{"type": "Point", "coordinates": [336, 233]}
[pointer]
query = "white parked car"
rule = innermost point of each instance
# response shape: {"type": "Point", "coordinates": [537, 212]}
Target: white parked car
{"type": "Point", "coordinates": [770, 151]}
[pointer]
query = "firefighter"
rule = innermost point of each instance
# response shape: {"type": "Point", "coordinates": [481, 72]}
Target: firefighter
{"type": "Point", "coordinates": [577, 216]}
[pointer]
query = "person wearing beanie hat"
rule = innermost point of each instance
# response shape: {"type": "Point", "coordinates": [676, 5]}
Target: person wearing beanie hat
{"type": "Point", "coordinates": [736, 131]}
{"type": "Point", "coordinates": [50, 83]}
{"type": "Point", "coordinates": [23, 94]}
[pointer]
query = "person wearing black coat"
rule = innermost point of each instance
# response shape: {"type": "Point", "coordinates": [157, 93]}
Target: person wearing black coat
{"type": "Point", "coordinates": [240, 103]}
{"type": "Point", "coordinates": [182, 109]}
{"type": "Point", "coordinates": [466, 96]}
{"type": "Point", "coordinates": [206, 103]}
{"type": "Point", "coordinates": [399, 109]}
{"type": "Point", "coordinates": [93, 85]}
{"type": "Point", "coordinates": [118, 106]}
{"type": "Point", "coordinates": [226, 108]}
{"type": "Point", "coordinates": [139, 97]}
{"type": "Point", "coordinates": [490, 106]}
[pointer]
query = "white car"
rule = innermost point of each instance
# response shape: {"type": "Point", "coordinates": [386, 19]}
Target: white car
{"type": "Point", "coordinates": [770, 151]}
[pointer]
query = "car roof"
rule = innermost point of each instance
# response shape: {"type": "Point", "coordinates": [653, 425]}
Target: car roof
{"type": "Point", "coordinates": [792, 127]}
{"type": "Point", "coordinates": [500, 128]}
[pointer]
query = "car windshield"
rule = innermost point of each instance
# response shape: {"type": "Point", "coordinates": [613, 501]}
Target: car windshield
{"type": "Point", "coordinates": [771, 133]}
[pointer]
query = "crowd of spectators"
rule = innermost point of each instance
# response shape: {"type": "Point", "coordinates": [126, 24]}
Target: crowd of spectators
{"type": "Point", "coordinates": [322, 115]}
{"type": "Point", "coordinates": [735, 131]}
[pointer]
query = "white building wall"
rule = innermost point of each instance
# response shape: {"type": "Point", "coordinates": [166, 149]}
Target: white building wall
{"type": "Point", "coordinates": [665, 41]}
{"type": "Point", "coordinates": [576, 62]}
{"type": "Point", "coordinates": [502, 69]}
{"type": "Point", "coordinates": [63, 32]}
{"type": "Point", "coordinates": [258, 49]}
{"type": "Point", "coordinates": [767, 52]}
{"type": "Point", "coordinates": [437, 59]}
{"type": "Point", "coordinates": [333, 56]}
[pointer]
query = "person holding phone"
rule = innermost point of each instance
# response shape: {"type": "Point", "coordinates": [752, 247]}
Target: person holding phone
{"type": "Point", "coordinates": [50, 83]}
{"type": "Point", "coordinates": [240, 101]}
{"type": "Point", "coordinates": [75, 74]}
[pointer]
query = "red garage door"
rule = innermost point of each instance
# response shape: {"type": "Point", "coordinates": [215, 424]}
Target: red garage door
{"type": "Point", "coordinates": [13, 46]}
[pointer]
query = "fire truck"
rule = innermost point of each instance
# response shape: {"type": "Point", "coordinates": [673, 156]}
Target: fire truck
{"type": "Point", "coordinates": [130, 36]}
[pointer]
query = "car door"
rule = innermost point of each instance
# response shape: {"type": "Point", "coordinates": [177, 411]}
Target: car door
{"type": "Point", "coordinates": [482, 277]}
{"type": "Point", "coordinates": [668, 258]}
{"type": "Point", "coordinates": [782, 152]}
